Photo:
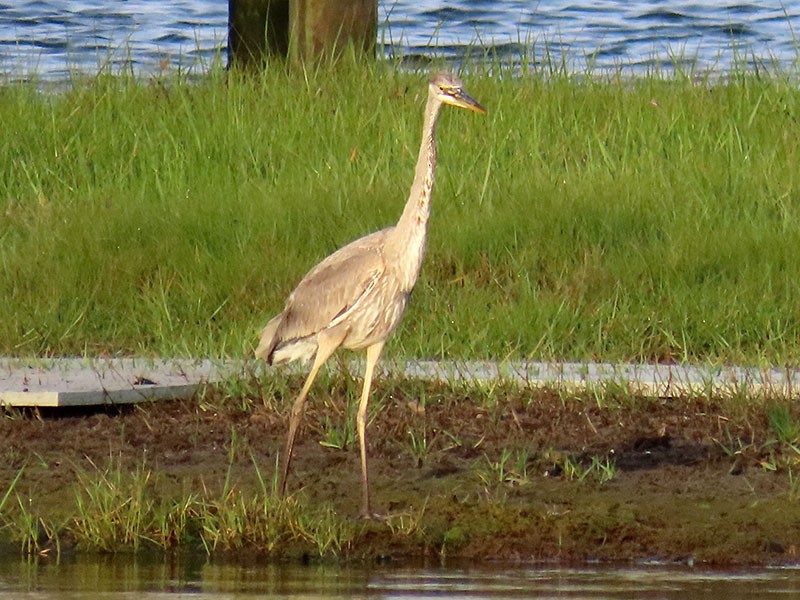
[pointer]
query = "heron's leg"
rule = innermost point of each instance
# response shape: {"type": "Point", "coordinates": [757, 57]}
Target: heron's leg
{"type": "Point", "coordinates": [327, 343]}
{"type": "Point", "coordinates": [373, 354]}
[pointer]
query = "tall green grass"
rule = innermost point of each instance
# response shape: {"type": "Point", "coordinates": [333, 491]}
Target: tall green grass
{"type": "Point", "coordinates": [585, 218]}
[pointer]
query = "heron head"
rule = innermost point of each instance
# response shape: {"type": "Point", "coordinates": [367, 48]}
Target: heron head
{"type": "Point", "coordinates": [450, 90]}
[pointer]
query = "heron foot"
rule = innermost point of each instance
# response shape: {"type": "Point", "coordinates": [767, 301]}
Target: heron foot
{"type": "Point", "coordinates": [368, 515]}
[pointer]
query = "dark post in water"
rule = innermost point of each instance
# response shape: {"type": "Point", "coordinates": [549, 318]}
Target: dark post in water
{"type": "Point", "coordinates": [257, 28]}
{"type": "Point", "coordinates": [322, 28]}
{"type": "Point", "coordinates": [306, 29]}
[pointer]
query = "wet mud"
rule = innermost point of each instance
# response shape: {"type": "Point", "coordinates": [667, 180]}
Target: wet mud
{"type": "Point", "coordinates": [495, 473]}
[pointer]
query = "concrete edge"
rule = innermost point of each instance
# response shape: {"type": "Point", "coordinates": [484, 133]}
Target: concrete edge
{"type": "Point", "coordinates": [84, 382]}
{"type": "Point", "coordinates": [97, 398]}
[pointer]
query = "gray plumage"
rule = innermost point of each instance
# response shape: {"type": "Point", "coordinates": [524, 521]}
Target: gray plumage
{"type": "Point", "coordinates": [356, 296]}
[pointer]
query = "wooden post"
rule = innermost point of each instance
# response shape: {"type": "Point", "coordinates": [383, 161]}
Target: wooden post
{"type": "Point", "coordinates": [257, 28]}
{"type": "Point", "coordinates": [308, 29]}
{"type": "Point", "coordinates": [322, 28]}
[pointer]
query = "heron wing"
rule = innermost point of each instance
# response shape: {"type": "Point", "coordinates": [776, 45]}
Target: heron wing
{"type": "Point", "coordinates": [332, 288]}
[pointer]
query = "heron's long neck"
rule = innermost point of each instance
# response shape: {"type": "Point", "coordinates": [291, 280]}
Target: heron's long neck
{"type": "Point", "coordinates": [408, 238]}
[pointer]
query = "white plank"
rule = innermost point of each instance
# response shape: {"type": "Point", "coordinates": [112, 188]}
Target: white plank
{"type": "Point", "coordinates": [76, 382]}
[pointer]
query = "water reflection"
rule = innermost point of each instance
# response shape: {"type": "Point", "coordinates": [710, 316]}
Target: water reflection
{"type": "Point", "coordinates": [122, 577]}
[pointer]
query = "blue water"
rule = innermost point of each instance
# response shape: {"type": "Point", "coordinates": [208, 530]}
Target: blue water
{"type": "Point", "coordinates": [605, 34]}
{"type": "Point", "coordinates": [54, 38]}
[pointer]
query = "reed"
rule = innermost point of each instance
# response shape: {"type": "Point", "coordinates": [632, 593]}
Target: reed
{"type": "Point", "coordinates": [114, 509]}
{"type": "Point", "coordinates": [123, 509]}
{"type": "Point", "coordinates": [587, 217]}
{"type": "Point", "coordinates": [21, 524]}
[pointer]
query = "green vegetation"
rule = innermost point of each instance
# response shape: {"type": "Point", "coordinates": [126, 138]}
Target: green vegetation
{"type": "Point", "coordinates": [585, 217]}
{"type": "Point", "coordinates": [516, 468]}
{"type": "Point", "coordinates": [116, 510]}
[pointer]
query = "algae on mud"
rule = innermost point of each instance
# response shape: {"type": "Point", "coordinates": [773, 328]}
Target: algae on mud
{"type": "Point", "coordinates": [463, 471]}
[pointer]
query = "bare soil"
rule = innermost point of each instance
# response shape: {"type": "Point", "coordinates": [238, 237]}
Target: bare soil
{"type": "Point", "coordinates": [482, 473]}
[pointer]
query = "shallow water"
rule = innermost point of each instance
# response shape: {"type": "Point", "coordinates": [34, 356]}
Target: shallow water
{"type": "Point", "coordinates": [121, 578]}
{"type": "Point", "coordinates": [43, 37]}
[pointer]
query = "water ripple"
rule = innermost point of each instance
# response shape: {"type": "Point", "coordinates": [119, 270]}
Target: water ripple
{"type": "Point", "coordinates": [53, 39]}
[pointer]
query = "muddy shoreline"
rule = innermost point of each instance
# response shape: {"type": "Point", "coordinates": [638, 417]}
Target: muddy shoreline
{"type": "Point", "coordinates": [476, 473]}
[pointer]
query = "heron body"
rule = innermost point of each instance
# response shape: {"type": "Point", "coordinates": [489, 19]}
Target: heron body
{"type": "Point", "coordinates": [356, 296]}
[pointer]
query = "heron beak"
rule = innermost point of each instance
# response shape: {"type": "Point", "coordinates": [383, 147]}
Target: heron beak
{"type": "Point", "coordinates": [462, 99]}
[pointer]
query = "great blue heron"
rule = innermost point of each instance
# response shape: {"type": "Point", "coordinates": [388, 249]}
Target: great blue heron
{"type": "Point", "coordinates": [356, 296]}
